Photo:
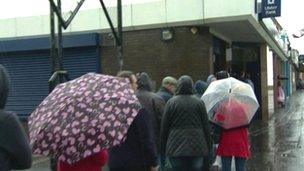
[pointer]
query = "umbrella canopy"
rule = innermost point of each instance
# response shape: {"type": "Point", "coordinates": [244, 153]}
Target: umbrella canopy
{"type": "Point", "coordinates": [83, 116]}
{"type": "Point", "coordinates": [231, 113]}
{"type": "Point", "coordinates": [230, 103]}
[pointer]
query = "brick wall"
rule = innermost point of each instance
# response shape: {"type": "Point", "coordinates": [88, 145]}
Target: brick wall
{"type": "Point", "coordinates": [145, 51]}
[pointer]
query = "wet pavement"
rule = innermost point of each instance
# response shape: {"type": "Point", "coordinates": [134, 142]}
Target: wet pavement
{"type": "Point", "coordinates": [276, 146]}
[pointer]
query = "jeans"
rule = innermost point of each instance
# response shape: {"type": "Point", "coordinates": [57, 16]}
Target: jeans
{"type": "Point", "coordinates": [239, 163]}
{"type": "Point", "coordinates": [187, 163]}
{"type": "Point", "coordinates": [161, 162]}
{"type": "Point", "coordinates": [53, 164]}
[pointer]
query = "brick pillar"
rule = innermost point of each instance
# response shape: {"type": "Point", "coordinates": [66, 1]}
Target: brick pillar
{"type": "Point", "coordinates": [275, 80]}
{"type": "Point", "coordinates": [264, 83]}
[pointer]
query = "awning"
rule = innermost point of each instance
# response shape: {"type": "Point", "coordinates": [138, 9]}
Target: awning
{"type": "Point", "coordinates": [243, 29]}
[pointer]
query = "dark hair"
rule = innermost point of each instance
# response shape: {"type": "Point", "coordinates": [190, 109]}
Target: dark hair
{"type": "Point", "coordinates": [222, 75]}
{"type": "Point", "coordinates": [200, 87]}
{"type": "Point", "coordinates": [279, 83]}
{"type": "Point", "coordinates": [126, 74]}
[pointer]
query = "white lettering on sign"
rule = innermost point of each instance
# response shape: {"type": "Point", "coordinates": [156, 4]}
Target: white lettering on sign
{"type": "Point", "coordinates": [270, 12]}
{"type": "Point", "coordinates": [271, 8]}
{"type": "Point", "coordinates": [271, 2]}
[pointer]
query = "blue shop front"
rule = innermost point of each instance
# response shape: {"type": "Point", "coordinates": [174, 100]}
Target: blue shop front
{"type": "Point", "coordinates": [29, 65]}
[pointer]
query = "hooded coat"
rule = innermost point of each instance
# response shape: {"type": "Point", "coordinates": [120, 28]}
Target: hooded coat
{"type": "Point", "coordinates": [200, 88]}
{"type": "Point", "coordinates": [185, 129]}
{"type": "Point", "coordinates": [15, 151]}
{"type": "Point", "coordinates": [153, 103]}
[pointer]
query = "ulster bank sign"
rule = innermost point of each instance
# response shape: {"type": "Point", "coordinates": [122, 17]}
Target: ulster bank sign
{"type": "Point", "coordinates": [271, 8]}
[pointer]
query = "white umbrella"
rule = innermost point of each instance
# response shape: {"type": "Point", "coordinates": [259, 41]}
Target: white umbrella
{"type": "Point", "coordinates": [227, 99]}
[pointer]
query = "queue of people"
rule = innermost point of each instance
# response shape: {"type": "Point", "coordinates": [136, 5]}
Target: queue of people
{"type": "Point", "coordinates": [171, 131]}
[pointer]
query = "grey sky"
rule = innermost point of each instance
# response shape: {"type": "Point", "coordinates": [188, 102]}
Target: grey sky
{"type": "Point", "coordinates": [17, 8]}
{"type": "Point", "coordinates": [292, 21]}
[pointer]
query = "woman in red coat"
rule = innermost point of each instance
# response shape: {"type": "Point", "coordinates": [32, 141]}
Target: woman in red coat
{"type": "Point", "coordinates": [234, 143]}
{"type": "Point", "coordinates": [92, 163]}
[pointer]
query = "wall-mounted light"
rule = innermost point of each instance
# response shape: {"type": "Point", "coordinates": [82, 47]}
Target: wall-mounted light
{"type": "Point", "coordinates": [167, 34]}
{"type": "Point", "coordinates": [194, 30]}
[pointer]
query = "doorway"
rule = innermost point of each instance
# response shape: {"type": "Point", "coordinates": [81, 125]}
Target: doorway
{"type": "Point", "coordinates": [246, 58]}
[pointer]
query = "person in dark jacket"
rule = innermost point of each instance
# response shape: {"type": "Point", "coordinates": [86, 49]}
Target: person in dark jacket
{"type": "Point", "coordinates": [168, 88]}
{"type": "Point", "coordinates": [15, 151]}
{"type": "Point", "coordinates": [138, 151]}
{"type": "Point", "coordinates": [154, 104]}
{"type": "Point", "coordinates": [200, 88]}
{"type": "Point", "coordinates": [185, 130]}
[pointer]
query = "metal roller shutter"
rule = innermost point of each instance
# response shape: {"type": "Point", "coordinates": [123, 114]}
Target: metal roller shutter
{"type": "Point", "coordinates": [30, 71]}
{"type": "Point", "coordinates": [29, 74]}
{"type": "Point", "coordinates": [79, 61]}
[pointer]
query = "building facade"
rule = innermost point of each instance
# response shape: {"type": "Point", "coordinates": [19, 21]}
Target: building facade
{"type": "Point", "coordinates": [206, 37]}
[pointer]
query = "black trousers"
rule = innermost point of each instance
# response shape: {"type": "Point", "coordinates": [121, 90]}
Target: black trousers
{"type": "Point", "coordinates": [53, 164]}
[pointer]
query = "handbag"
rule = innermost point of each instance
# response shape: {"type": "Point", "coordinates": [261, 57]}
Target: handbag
{"type": "Point", "coordinates": [216, 132]}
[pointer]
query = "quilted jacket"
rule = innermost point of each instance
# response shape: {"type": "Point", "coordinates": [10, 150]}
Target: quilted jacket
{"type": "Point", "coordinates": [185, 129]}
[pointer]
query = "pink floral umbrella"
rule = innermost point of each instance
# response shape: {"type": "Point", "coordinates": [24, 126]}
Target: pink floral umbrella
{"type": "Point", "coordinates": [83, 116]}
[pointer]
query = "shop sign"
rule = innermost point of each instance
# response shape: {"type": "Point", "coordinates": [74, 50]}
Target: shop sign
{"type": "Point", "coordinates": [271, 8]}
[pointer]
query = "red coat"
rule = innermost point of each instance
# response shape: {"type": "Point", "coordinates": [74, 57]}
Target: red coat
{"type": "Point", "coordinates": [92, 163]}
{"type": "Point", "coordinates": [234, 142]}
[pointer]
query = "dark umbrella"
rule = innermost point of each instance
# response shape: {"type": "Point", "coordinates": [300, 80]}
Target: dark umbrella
{"type": "Point", "coordinates": [83, 116]}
